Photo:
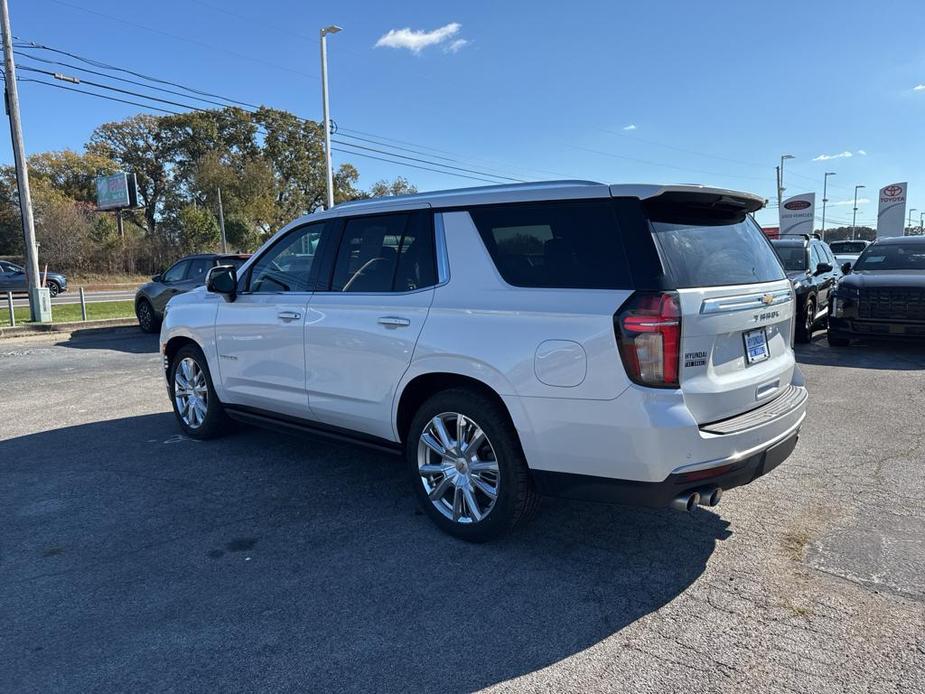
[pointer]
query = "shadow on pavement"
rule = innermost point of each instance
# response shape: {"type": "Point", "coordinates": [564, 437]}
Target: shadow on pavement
{"type": "Point", "coordinates": [133, 556]}
{"type": "Point", "coordinates": [864, 354]}
{"type": "Point", "coordinates": [127, 339]}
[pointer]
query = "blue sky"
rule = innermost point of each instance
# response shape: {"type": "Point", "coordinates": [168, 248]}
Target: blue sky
{"type": "Point", "coordinates": [715, 91]}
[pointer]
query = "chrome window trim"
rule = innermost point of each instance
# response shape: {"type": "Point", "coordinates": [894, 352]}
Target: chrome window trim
{"type": "Point", "coordinates": [745, 302]}
{"type": "Point", "coordinates": [443, 258]}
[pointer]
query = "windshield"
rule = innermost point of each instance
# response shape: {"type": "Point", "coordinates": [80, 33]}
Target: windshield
{"type": "Point", "coordinates": [893, 256]}
{"type": "Point", "coordinates": [792, 257]}
{"type": "Point", "coordinates": [847, 246]}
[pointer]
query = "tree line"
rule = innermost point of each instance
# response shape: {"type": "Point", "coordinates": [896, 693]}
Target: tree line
{"type": "Point", "coordinates": [269, 165]}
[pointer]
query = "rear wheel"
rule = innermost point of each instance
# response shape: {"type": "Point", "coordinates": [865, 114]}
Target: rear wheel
{"type": "Point", "coordinates": [147, 319]}
{"type": "Point", "coordinates": [467, 467]}
{"type": "Point", "coordinates": [198, 411]}
{"type": "Point", "coordinates": [804, 331]}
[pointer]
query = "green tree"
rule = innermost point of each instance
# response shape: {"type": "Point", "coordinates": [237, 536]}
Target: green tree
{"type": "Point", "coordinates": [71, 173]}
{"type": "Point", "coordinates": [197, 230]}
{"type": "Point", "coordinates": [400, 186]}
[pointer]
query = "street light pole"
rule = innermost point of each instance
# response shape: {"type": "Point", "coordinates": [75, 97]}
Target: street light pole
{"type": "Point", "coordinates": [825, 199]}
{"type": "Point", "coordinates": [221, 221]}
{"type": "Point", "coordinates": [911, 210]}
{"type": "Point", "coordinates": [333, 29]}
{"type": "Point", "coordinates": [854, 217]}
{"type": "Point", "coordinates": [780, 178]}
{"type": "Point", "coordinates": [39, 300]}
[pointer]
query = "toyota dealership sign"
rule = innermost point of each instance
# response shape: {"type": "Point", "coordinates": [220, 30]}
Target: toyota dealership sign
{"type": "Point", "coordinates": [891, 215]}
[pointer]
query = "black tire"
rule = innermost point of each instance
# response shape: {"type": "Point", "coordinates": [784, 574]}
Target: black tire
{"type": "Point", "coordinates": [53, 288]}
{"type": "Point", "coordinates": [147, 318]}
{"type": "Point", "coordinates": [215, 422]}
{"type": "Point", "coordinates": [517, 499]}
{"type": "Point", "coordinates": [804, 331]}
{"type": "Point", "coordinates": [836, 340]}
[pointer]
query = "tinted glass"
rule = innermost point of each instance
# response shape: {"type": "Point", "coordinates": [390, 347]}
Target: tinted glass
{"type": "Point", "coordinates": [892, 256]}
{"type": "Point", "coordinates": [712, 255]}
{"type": "Point", "coordinates": [555, 245]}
{"type": "Point", "coordinates": [368, 254]}
{"type": "Point", "coordinates": [176, 273]}
{"type": "Point", "coordinates": [198, 269]}
{"type": "Point", "coordinates": [791, 256]}
{"type": "Point", "coordinates": [848, 246]}
{"type": "Point", "coordinates": [817, 256]}
{"type": "Point", "coordinates": [287, 265]}
{"type": "Point", "coordinates": [417, 267]}
{"type": "Point", "coordinates": [829, 256]}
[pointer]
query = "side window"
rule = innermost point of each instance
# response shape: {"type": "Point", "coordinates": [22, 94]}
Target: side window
{"type": "Point", "coordinates": [561, 244]}
{"type": "Point", "coordinates": [829, 255]}
{"type": "Point", "coordinates": [176, 273]}
{"type": "Point", "coordinates": [816, 256]}
{"type": "Point", "coordinates": [199, 267]}
{"type": "Point", "coordinates": [287, 265]}
{"type": "Point", "coordinates": [385, 253]}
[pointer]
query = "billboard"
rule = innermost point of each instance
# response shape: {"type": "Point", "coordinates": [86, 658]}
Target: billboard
{"type": "Point", "coordinates": [116, 191]}
{"type": "Point", "coordinates": [798, 214]}
{"type": "Point", "coordinates": [891, 215]}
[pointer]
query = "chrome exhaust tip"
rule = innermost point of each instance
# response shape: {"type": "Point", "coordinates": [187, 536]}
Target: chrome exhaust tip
{"type": "Point", "coordinates": [711, 497]}
{"type": "Point", "coordinates": [686, 502]}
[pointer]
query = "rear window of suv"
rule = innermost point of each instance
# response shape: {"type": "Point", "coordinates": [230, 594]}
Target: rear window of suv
{"type": "Point", "coordinates": [565, 244]}
{"type": "Point", "coordinates": [702, 252]}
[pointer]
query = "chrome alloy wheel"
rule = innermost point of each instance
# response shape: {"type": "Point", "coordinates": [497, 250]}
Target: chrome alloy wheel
{"type": "Point", "coordinates": [191, 393]}
{"type": "Point", "coordinates": [460, 472]}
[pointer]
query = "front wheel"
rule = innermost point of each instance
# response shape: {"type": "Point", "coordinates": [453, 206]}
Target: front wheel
{"type": "Point", "coordinates": [53, 288]}
{"type": "Point", "coordinates": [198, 411]}
{"type": "Point", "coordinates": [467, 467]}
{"type": "Point", "coordinates": [804, 331]}
{"type": "Point", "coordinates": [147, 320]}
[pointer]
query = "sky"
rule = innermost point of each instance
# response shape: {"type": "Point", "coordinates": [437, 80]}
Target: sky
{"type": "Point", "coordinates": [666, 91]}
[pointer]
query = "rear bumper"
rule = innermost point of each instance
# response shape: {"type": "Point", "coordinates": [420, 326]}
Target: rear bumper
{"type": "Point", "coordinates": [851, 327]}
{"type": "Point", "coordinates": [659, 494]}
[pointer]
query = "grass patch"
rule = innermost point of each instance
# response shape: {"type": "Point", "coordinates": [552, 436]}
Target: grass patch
{"type": "Point", "coordinates": [66, 313]}
{"type": "Point", "coordinates": [794, 543]}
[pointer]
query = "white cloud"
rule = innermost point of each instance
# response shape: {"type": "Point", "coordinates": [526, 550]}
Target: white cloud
{"type": "Point", "coordinates": [456, 46]}
{"type": "Point", "coordinates": [416, 40]}
{"type": "Point", "coordinates": [850, 203]}
{"type": "Point", "coordinates": [631, 126]}
{"type": "Point", "coordinates": [919, 88]}
{"type": "Point", "coordinates": [841, 155]}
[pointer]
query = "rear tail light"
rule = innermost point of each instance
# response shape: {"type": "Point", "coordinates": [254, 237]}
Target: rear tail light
{"type": "Point", "coordinates": [648, 330]}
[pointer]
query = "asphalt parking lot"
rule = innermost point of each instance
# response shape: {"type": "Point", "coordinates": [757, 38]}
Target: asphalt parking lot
{"type": "Point", "coordinates": [133, 558]}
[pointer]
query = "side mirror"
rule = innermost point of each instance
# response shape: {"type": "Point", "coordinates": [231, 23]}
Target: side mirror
{"type": "Point", "coordinates": [223, 279]}
{"type": "Point", "coordinates": [822, 268]}
{"type": "Point", "coordinates": [846, 268]}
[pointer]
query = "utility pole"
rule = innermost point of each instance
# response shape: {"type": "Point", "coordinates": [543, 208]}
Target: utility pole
{"type": "Point", "coordinates": [39, 299]}
{"type": "Point", "coordinates": [779, 189]}
{"type": "Point", "coordinates": [921, 218]}
{"type": "Point", "coordinates": [333, 29]}
{"type": "Point", "coordinates": [854, 216]}
{"type": "Point", "coordinates": [911, 210]}
{"type": "Point", "coordinates": [221, 221]}
{"type": "Point", "coordinates": [825, 198]}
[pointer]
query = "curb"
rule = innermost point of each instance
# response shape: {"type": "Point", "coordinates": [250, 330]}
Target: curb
{"type": "Point", "coordinates": [90, 327]}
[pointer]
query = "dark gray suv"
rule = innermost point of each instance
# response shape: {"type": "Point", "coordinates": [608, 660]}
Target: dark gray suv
{"type": "Point", "coordinates": [185, 274]}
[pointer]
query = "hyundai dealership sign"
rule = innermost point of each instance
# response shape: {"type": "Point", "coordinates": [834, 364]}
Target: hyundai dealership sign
{"type": "Point", "coordinates": [797, 214]}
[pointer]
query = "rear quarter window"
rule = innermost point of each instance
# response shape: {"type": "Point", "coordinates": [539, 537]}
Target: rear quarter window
{"type": "Point", "coordinates": [564, 244]}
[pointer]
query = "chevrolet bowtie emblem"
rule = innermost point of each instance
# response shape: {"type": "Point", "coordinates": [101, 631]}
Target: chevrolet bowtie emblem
{"type": "Point", "coordinates": [767, 299]}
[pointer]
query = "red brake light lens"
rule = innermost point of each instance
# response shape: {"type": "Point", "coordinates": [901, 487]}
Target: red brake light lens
{"type": "Point", "coordinates": [648, 329]}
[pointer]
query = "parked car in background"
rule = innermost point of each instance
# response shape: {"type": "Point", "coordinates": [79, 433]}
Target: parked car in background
{"type": "Point", "coordinates": [848, 251]}
{"type": "Point", "coordinates": [13, 279]}
{"type": "Point", "coordinates": [185, 274]}
{"type": "Point", "coordinates": [811, 267]}
{"type": "Point", "coordinates": [883, 295]}
{"type": "Point", "coordinates": [626, 343]}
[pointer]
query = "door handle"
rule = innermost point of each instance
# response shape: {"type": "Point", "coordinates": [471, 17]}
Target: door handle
{"type": "Point", "coordinates": [394, 322]}
{"type": "Point", "coordinates": [289, 315]}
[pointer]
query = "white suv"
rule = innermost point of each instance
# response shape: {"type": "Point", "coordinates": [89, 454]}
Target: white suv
{"type": "Point", "coordinates": [629, 343]}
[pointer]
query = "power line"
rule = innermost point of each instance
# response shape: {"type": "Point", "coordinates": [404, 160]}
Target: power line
{"type": "Point", "coordinates": [101, 96]}
{"type": "Point", "coordinates": [413, 166]}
